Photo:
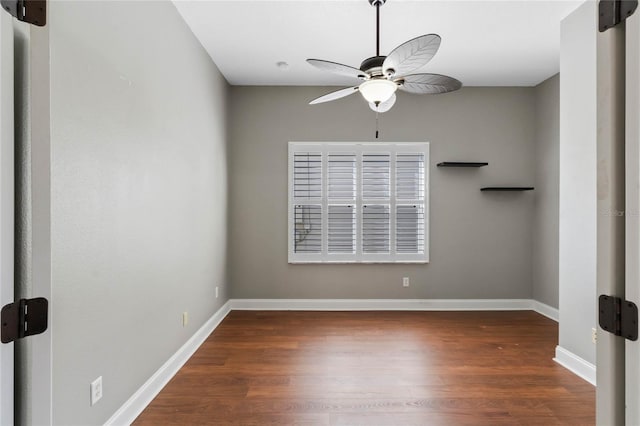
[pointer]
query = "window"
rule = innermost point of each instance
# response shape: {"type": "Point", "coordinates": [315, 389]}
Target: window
{"type": "Point", "coordinates": [358, 202]}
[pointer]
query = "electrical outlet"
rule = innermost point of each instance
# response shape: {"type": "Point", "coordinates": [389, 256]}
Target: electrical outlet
{"type": "Point", "coordinates": [216, 292]}
{"type": "Point", "coordinates": [185, 319]}
{"type": "Point", "coordinates": [96, 390]}
{"type": "Point", "coordinates": [405, 282]}
{"type": "Point", "coordinates": [594, 335]}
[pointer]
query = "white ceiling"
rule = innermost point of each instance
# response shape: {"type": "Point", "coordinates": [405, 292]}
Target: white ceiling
{"type": "Point", "coordinates": [484, 43]}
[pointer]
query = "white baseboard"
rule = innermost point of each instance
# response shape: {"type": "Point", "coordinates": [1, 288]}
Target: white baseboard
{"type": "Point", "coordinates": [143, 396]}
{"type": "Point", "coordinates": [382, 304]}
{"type": "Point", "coordinates": [575, 364]}
{"type": "Point", "coordinates": [546, 310]}
{"type": "Point", "coordinates": [395, 305]}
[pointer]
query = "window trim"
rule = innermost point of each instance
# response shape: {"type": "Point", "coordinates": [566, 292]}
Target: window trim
{"type": "Point", "coordinates": [359, 148]}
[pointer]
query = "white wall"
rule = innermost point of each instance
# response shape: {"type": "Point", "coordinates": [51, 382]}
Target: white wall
{"type": "Point", "coordinates": [577, 270]}
{"type": "Point", "coordinates": [139, 190]}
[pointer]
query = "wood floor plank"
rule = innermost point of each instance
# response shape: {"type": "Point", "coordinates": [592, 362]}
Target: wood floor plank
{"type": "Point", "coordinates": [376, 368]}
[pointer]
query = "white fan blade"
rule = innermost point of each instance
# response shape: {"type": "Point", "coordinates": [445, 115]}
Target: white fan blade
{"type": "Point", "coordinates": [384, 106]}
{"type": "Point", "coordinates": [428, 83]}
{"type": "Point", "coordinates": [334, 95]}
{"type": "Point", "coordinates": [337, 68]}
{"type": "Point", "coordinates": [411, 55]}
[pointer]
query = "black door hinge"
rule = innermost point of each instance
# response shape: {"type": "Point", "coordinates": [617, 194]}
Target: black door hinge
{"type": "Point", "coordinates": [613, 12]}
{"type": "Point", "coordinates": [23, 318]}
{"type": "Point", "coordinates": [618, 316]}
{"type": "Point", "coordinates": [30, 11]}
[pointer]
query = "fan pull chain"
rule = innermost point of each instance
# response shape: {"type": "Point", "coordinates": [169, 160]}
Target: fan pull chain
{"type": "Point", "coordinates": [377, 127]}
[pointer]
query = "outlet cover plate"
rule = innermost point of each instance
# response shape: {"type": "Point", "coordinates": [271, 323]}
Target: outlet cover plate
{"type": "Point", "coordinates": [96, 390]}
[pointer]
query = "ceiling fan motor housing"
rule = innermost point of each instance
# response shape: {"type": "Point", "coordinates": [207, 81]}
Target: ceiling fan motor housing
{"type": "Point", "coordinates": [373, 65]}
{"type": "Point", "coordinates": [381, 76]}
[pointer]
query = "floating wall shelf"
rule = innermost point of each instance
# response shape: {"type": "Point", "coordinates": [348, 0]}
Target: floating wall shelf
{"type": "Point", "coordinates": [507, 188]}
{"type": "Point", "coordinates": [461, 164]}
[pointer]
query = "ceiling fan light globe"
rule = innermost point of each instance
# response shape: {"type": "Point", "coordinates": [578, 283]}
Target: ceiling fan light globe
{"type": "Point", "coordinates": [379, 90]}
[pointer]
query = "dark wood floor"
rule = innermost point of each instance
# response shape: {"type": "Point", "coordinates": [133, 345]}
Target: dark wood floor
{"type": "Point", "coordinates": [376, 368]}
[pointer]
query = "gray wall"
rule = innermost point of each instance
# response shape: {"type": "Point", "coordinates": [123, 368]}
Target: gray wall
{"type": "Point", "coordinates": [480, 243]}
{"type": "Point", "coordinates": [139, 197]}
{"type": "Point", "coordinates": [578, 170]}
{"type": "Point", "coordinates": [545, 218]}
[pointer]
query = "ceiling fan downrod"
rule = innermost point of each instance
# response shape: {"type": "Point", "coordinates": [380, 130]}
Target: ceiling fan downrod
{"type": "Point", "coordinates": [377, 4]}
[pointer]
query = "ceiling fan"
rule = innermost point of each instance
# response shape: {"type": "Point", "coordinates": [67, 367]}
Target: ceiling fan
{"type": "Point", "coordinates": [382, 75]}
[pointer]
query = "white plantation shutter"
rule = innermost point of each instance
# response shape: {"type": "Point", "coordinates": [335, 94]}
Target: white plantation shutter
{"type": "Point", "coordinates": [342, 229]}
{"type": "Point", "coordinates": [410, 176]}
{"type": "Point", "coordinates": [376, 186]}
{"type": "Point", "coordinates": [341, 186]}
{"type": "Point", "coordinates": [342, 176]}
{"type": "Point", "coordinates": [410, 188]}
{"type": "Point", "coordinates": [307, 178]}
{"type": "Point", "coordinates": [307, 187]}
{"type": "Point", "coordinates": [410, 229]}
{"type": "Point", "coordinates": [375, 176]}
{"type": "Point", "coordinates": [308, 229]}
{"type": "Point", "coordinates": [375, 228]}
{"type": "Point", "coordinates": [358, 202]}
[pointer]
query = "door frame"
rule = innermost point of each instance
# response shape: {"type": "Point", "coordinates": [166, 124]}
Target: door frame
{"type": "Point", "coordinates": [7, 219]}
{"type": "Point", "coordinates": [632, 170]}
{"type": "Point", "coordinates": [34, 403]}
{"type": "Point", "coordinates": [40, 378]}
{"type": "Point", "coordinates": [618, 103]}
{"type": "Point", "coordinates": [610, 218]}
